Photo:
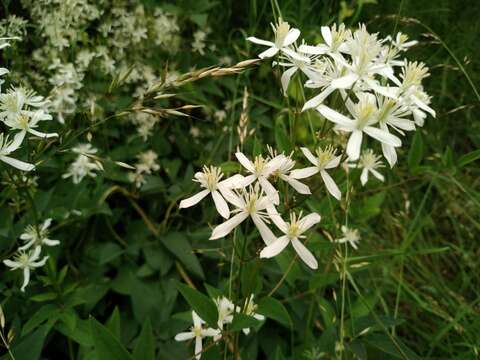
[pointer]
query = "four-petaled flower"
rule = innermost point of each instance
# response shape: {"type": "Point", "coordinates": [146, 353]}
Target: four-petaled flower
{"type": "Point", "coordinates": [26, 261]}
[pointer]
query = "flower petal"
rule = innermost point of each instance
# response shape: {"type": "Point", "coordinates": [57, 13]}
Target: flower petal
{"type": "Point", "coordinates": [270, 190]}
{"type": "Point", "coordinates": [301, 188]}
{"type": "Point", "coordinates": [305, 254]}
{"type": "Point", "coordinates": [17, 163]}
{"type": "Point", "coordinates": [260, 41]}
{"type": "Point", "coordinates": [330, 184]}
{"type": "Point", "coordinates": [286, 76]}
{"type": "Point", "coordinates": [246, 163]}
{"type": "Point", "coordinates": [183, 336]}
{"type": "Point", "coordinates": [344, 82]}
{"type": "Point", "coordinates": [335, 117]}
{"type": "Point", "coordinates": [268, 53]}
{"type": "Point", "coordinates": [193, 200]}
{"type": "Point", "coordinates": [226, 227]}
{"type": "Point", "coordinates": [291, 37]}
{"type": "Point", "coordinates": [313, 50]}
{"type": "Point", "coordinates": [354, 144]}
{"type": "Point", "coordinates": [318, 99]}
{"type": "Point", "coordinates": [277, 219]}
{"type": "Point", "coordinates": [308, 221]}
{"type": "Point", "coordinates": [327, 35]}
{"type": "Point", "coordinates": [308, 154]}
{"type": "Point", "coordinates": [275, 248]}
{"type": "Point", "coordinates": [382, 136]}
{"type": "Point", "coordinates": [26, 278]}
{"type": "Point", "coordinates": [296, 56]}
{"type": "Point", "coordinates": [364, 177]}
{"type": "Point", "coordinates": [304, 173]}
{"type": "Point", "coordinates": [266, 234]}
{"type": "Point", "coordinates": [390, 154]}
{"type": "Point", "coordinates": [221, 204]}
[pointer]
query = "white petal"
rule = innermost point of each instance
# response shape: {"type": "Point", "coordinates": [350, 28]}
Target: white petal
{"type": "Point", "coordinates": [296, 55]}
{"type": "Point", "coordinates": [233, 182]}
{"type": "Point", "coordinates": [308, 221]}
{"type": "Point", "coordinates": [286, 76]}
{"type": "Point", "coordinates": [198, 347]}
{"type": "Point", "coordinates": [313, 50]}
{"type": "Point", "coordinates": [46, 224]}
{"type": "Point", "coordinates": [354, 144]}
{"type": "Point", "coordinates": [401, 123]}
{"type": "Point", "coordinates": [301, 188]}
{"type": "Point", "coordinates": [12, 264]}
{"type": "Point", "coordinates": [184, 336]}
{"type": "Point", "coordinates": [277, 219]}
{"type": "Point", "coordinates": [50, 242]}
{"type": "Point", "coordinates": [221, 204]}
{"type": "Point", "coordinates": [26, 278]}
{"type": "Point", "coordinates": [344, 82]}
{"type": "Point", "coordinates": [423, 105]}
{"type": "Point", "coordinates": [41, 134]}
{"type": "Point", "coordinates": [211, 332]}
{"type": "Point", "coordinates": [377, 175]}
{"type": "Point", "coordinates": [390, 154]}
{"type": "Point", "coordinates": [225, 228]}
{"type": "Point", "coordinates": [266, 234]}
{"type": "Point", "coordinates": [318, 99]}
{"type": "Point", "coordinates": [327, 35]}
{"type": "Point", "coordinates": [197, 320]}
{"type": "Point", "coordinates": [382, 136]}
{"type": "Point", "coordinates": [304, 173]}
{"type": "Point", "coordinates": [305, 254]}
{"type": "Point", "coordinates": [330, 184]}
{"type": "Point", "coordinates": [268, 53]}
{"type": "Point", "coordinates": [335, 117]}
{"type": "Point", "coordinates": [260, 41]}
{"type": "Point", "coordinates": [334, 162]}
{"type": "Point", "coordinates": [364, 177]}
{"type": "Point", "coordinates": [308, 154]}
{"type": "Point", "coordinates": [275, 248]}
{"type": "Point", "coordinates": [291, 37]}
{"type": "Point", "coordinates": [39, 263]}
{"type": "Point", "coordinates": [270, 190]}
{"type": "Point", "coordinates": [17, 141]}
{"type": "Point", "coordinates": [246, 163]}
{"type": "Point", "coordinates": [193, 200]}
{"type": "Point", "coordinates": [17, 163]}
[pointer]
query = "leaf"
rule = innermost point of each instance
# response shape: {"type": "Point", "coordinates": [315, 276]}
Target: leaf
{"type": "Point", "coordinates": [113, 323]}
{"type": "Point", "coordinates": [44, 313]}
{"type": "Point", "coordinates": [30, 347]}
{"type": "Point", "coordinates": [145, 347]}
{"type": "Point", "coordinates": [468, 158]}
{"type": "Point", "coordinates": [81, 334]}
{"type": "Point", "coordinates": [362, 306]}
{"type": "Point", "coordinates": [274, 309]}
{"type": "Point", "coordinates": [107, 347]}
{"type": "Point", "coordinates": [203, 305]}
{"type": "Point", "coordinates": [386, 345]}
{"type": "Point", "coordinates": [415, 153]}
{"type": "Point", "coordinates": [179, 245]}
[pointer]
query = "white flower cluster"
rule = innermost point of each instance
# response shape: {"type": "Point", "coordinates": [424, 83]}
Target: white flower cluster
{"type": "Point", "coordinates": [225, 309]}
{"type": "Point", "coordinates": [86, 163]}
{"type": "Point", "coordinates": [27, 257]}
{"type": "Point", "coordinates": [21, 111]}
{"type": "Point", "coordinates": [379, 90]}
{"type": "Point", "coordinates": [147, 163]}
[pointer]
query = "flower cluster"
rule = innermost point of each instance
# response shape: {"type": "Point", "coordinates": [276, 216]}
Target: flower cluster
{"type": "Point", "coordinates": [21, 111]}
{"type": "Point", "coordinates": [147, 163]}
{"type": "Point", "coordinates": [28, 256]}
{"type": "Point", "coordinates": [86, 163]}
{"type": "Point", "coordinates": [225, 309]}
{"type": "Point", "coordinates": [379, 90]}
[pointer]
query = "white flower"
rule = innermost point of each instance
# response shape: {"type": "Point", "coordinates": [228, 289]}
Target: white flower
{"type": "Point", "coordinates": [252, 203]}
{"type": "Point", "coordinates": [250, 309]}
{"type": "Point", "coordinates": [334, 41]}
{"type": "Point", "coordinates": [37, 237]}
{"type": "Point", "coordinates": [27, 123]}
{"type": "Point", "coordinates": [7, 147]}
{"type": "Point", "coordinates": [210, 179]}
{"type": "Point", "coordinates": [293, 65]}
{"type": "Point", "coordinates": [84, 165]}
{"type": "Point", "coordinates": [284, 37]}
{"type": "Point", "coordinates": [364, 114]}
{"type": "Point", "coordinates": [350, 236]}
{"type": "Point", "coordinates": [225, 312]}
{"type": "Point", "coordinates": [260, 169]}
{"type": "Point", "coordinates": [293, 233]}
{"type": "Point", "coordinates": [26, 261]}
{"type": "Point", "coordinates": [15, 102]}
{"type": "Point", "coordinates": [369, 162]}
{"type": "Point", "coordinates": [326, 159]}
{"type": "Point", "coordinates": [286, 173]}
{"type": "Point", "coordinates": [197, 332]}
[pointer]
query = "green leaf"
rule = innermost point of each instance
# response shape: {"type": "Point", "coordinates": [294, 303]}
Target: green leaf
{"type": "Point", "coordinates": [113, 323]}
{"type": "Point", "coordinates": [179, 245]}
{"type": "Point", "coordinates": [415, 154]}
{"type": "Point", "coordinates": [203, 305]}
{"type": "Point", "coordinates": [385, 344]}
{"type": "Point", "coordinates": [44, 313]}
{"type": "Point", "coordinates": [468, 158]}
{"type": "Point", "coordinates": [274, 309]}
{"type": "Point", "coordinates": [30, 347]}
{"type": "Point", "coordinates": [145, 347]}
{"type": "Point", "coordinates": [107, 347]}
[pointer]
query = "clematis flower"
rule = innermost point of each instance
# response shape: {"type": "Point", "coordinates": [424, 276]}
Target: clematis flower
{"type": "Point", "coordinates": [26, 261]}
{"type": "Point", "coordinates": [225, 309]}
{"type": "Point", "coordinates": [285, 172]}
{"type": "Point", "coordinates": [28, 124]}
{"type": "Point", "coordinates": [260, 169]}
{"type": "Point", "coordinates": [211, 180]}
{"type": "Point", "coordinates": [37, 237]}
{"type": "Point", "coordinates": [293, 233]}
{"type": "Point", "coordinates": [364, 114]}
{"type": "Point", "coordinates": [350, 236]}
{"type": "Point", "coordinates": [250, 202]}
{"type": "Point", "coordinates": [84, 165]}
{"type": "Point", "coordinates": [7, 147]}
{"type": "Point", "coordinates": [369, 162]}
{"type": "Point", "coordinates": [334, 41]}
{"type": "Point", "coordinates": [284, 37]}
{"type": "Point", "coordinates": [250, 309]}
{"type": "Point", "coordinates": [197, 332]}
{"type": "Point", "coordinates": [326, 159]}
